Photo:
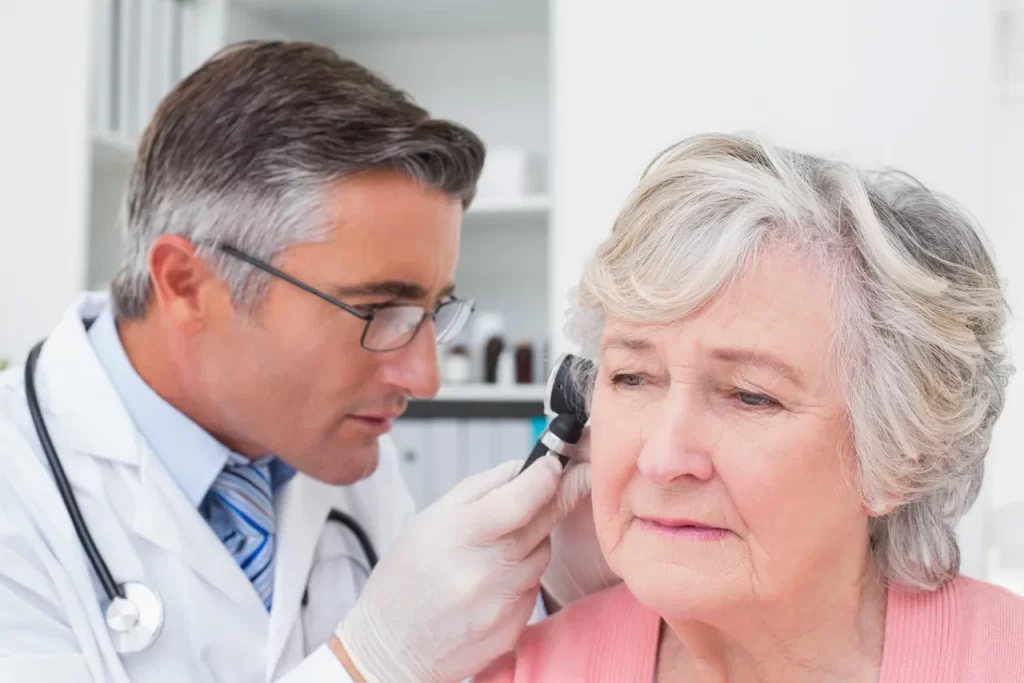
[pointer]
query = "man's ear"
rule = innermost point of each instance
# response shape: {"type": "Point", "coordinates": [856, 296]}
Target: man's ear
{"type": "Point", "coordinates": [181, 281]}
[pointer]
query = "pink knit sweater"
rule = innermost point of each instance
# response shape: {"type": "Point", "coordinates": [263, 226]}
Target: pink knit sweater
{"type": "Point", "coordinates": [967, 632]}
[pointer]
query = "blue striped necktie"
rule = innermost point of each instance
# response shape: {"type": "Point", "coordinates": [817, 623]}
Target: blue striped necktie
{"type": "Point", "coordinates": [242, 497]}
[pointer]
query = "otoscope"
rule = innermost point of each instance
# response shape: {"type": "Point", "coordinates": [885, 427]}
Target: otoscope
{"type": "Point", "coordinates": [563, 400]}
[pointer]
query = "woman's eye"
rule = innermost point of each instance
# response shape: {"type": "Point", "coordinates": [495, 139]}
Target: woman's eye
{"type": "Point", "coordinates": [628, 380]}
{"type": "Point", "coordinates": [754, 400]}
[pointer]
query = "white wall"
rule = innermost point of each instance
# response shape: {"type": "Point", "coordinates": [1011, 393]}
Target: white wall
{"type": "Point", "coordinates": [44, 68]}
{"type": "Point", "coordinates": [495, 84]}
{"type": "Point", "coordinates": [878, 82]}
{"type": "Point", "coordinates": [245, 23]}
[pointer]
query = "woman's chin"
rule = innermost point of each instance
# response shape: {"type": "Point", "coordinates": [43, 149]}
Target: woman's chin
{"type": "Point", "coordinates": [685, 592]}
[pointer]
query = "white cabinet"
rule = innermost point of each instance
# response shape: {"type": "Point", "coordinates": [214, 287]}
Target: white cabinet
{"type": "Point", "coordinates": [434, 454]}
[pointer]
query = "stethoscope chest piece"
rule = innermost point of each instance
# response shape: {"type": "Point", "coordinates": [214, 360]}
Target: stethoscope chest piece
{"type": "Point", "coordinates": [136, 619]}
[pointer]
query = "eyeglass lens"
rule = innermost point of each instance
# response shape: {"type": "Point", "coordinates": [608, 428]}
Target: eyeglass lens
{"type": "Point", "coordinates": [394, 326]}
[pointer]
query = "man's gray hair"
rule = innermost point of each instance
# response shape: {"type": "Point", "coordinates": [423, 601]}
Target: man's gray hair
{"type": "Point", "coordinates": [920, 314]}
{"type": "Point", "coordinates": [244, 151]}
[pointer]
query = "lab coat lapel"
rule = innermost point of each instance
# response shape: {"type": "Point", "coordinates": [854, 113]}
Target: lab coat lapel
{"type": "Point", "coordinates": [77, 398]}
{"type": "Point", "coordinates": [301, 510]}
{"type": "Point", "coordinates": [166, 518]}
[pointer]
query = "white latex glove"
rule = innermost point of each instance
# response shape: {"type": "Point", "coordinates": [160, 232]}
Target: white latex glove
{"type": "Point", "coordinates": [577, 566]}
{"type": "Point", "coordinates": [460, 583]}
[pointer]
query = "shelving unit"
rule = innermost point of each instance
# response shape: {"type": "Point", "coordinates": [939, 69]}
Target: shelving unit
{"type": "Point", "coordinates": [492, 392]}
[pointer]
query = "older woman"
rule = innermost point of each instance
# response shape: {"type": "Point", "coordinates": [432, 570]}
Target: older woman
{"type": "Point", "coordinates": [799, 368]}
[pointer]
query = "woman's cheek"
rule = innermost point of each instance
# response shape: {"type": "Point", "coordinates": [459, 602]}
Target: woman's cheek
{"type": "Point", "coordinates": [615, 448]}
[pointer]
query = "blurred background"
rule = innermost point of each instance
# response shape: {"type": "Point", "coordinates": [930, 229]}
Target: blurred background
{"type": "Point", "coordinates": [573, 98]}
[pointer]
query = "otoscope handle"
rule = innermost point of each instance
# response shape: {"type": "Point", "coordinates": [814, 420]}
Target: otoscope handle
{"type": "Point", "coordinates": [559, 437]}
{"type": "Point", "coordinates": [538, 452]}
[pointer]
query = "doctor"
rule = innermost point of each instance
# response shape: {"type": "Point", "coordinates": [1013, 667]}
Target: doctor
{"type": "Point", "coordinates": [292, 232]}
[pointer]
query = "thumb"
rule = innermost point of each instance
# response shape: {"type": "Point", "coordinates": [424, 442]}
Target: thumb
{"type": "Point", "coordinates": [573, 488]}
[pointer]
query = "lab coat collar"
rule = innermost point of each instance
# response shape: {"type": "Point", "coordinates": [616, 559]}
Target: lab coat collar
{"type": "Point", "coordinates": [76, 394]}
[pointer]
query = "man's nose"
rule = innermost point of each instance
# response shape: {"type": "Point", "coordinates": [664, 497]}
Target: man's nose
{"type": "Point", "coordinates": [414, 367]}
{"type": "Point", "coordinates": [678, 445]}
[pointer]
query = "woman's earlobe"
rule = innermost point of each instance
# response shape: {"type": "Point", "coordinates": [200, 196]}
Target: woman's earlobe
{"type": "Point", "coordinates": [881, 508]}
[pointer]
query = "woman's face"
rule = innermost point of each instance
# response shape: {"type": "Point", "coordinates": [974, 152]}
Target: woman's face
{"type": "Point", "coordinates": [719, 474]}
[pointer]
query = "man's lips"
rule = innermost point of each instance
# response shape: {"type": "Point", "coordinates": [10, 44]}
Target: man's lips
{"type": "Point", "coordinates": [377, 423]}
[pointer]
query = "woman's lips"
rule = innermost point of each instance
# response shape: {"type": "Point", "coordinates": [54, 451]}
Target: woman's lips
{"type": "Point", "coordinates": [682, 529]}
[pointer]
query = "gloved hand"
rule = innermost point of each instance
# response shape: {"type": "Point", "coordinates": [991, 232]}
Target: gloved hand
{"type": "Point", "coordinates": [577, 566]}
{"type": "Point", "coordinates": [460, 584]}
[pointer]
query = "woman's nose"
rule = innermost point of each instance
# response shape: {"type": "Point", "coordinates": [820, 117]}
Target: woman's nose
{"type": "Point", "coordinates": [678, 445]}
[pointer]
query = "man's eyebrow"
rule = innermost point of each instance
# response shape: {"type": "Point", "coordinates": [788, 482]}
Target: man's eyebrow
{"type": "Point", "coordinates": [398, 289]}
{"type": "Point", "coordinates": [757, 358]}
{"type": "Point", "coordinates": [621, 341]}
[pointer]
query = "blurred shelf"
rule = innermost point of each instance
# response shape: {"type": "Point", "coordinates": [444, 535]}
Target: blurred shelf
{"type": "Point", "coordinates": [481, 401]}
{"type": "Point", "coordinates": [538, 204]}
{"type": "Point", "coordinates": [110, 149]}
{"type": "Point", "coordinates": [335, 21]}
{"type": "Point", "coordinates": [491, 392]}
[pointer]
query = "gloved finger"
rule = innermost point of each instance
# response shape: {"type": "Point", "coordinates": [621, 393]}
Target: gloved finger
{"type": "Point", "coordinates": [522, 543]}
{"type": "Point", "coordinates": [525, 573]}
{"type": "Point", "coordinates": [573, 488]}
{"type": "Point", "coordinates": [480, 484]}
{"type": "Point", "coordinates": [514, 504]}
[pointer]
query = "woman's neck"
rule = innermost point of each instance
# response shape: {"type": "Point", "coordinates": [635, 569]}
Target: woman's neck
{"type": "Point", "coordinates": [831, 634]}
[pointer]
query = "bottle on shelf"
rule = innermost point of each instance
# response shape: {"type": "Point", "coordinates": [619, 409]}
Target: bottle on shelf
{"type": "Point", "coordinates": [524, 362]}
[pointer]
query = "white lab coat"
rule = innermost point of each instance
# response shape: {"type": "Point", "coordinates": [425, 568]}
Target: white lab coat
{"type": "Point", "coordinates": [51, 605]}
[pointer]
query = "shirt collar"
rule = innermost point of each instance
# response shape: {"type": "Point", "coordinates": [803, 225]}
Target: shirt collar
{"type": "Point", "coordinates": [193, 457]}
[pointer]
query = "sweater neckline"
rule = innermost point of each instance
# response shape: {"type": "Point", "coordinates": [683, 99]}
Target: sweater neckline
{"type": "Point", "coordinates": [919, 630]}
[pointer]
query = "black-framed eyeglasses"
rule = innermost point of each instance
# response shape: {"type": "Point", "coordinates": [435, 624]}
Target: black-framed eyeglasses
{"type": "Point", "coordinates": [388, 326]}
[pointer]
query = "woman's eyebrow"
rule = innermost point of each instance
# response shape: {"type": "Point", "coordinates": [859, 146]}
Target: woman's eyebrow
{"type": "Point", "coordinates": [759, 359]}
{"type": "Point", "coordinates": [628, 343]}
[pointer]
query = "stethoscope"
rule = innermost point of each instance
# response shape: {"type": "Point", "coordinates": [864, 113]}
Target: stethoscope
{"type": "Point", "coordinates": [135, 615]}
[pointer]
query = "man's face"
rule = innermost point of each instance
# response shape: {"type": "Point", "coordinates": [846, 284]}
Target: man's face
{"type": "Point", "coordinates": [292, 379]}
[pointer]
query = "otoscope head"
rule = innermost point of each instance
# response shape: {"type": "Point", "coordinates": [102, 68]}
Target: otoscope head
{"type": "Point", "coordinates": [566, 402]}
{"type": "Point", "coordinates": [563, 395]}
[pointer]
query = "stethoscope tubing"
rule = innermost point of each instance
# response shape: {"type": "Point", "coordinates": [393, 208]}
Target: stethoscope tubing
{"type": "Point", "coordinates": [106, 578]}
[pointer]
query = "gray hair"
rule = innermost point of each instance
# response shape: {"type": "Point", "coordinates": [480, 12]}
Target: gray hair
{"type": "Point", "coordinates": [245, 150]}
{"type": "Point", "coordinates": [920, 314]}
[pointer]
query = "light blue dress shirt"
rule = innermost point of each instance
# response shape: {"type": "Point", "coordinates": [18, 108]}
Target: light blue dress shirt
{"type": "Point", "coordinates": [193, 457]}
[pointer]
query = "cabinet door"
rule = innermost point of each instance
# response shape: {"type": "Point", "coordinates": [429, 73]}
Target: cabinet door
{"type": "Point", "coordinates": [444, 455]}
{"type": "Point", "coordinates": [513, 439]}
{"type": "Point", "coordinates": [410, 437]}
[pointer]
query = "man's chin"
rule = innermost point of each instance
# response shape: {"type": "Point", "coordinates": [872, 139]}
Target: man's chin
{"type": "Point", "coordinates": [352, 464]}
